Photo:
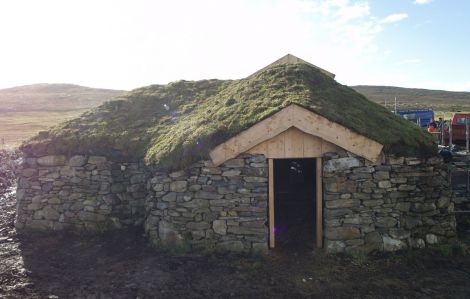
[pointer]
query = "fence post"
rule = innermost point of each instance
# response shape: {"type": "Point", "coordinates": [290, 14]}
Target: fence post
{"type": "Point", "coordinates": [441, 132]}
{"type": "Point", "coordinates": [450, 135]}
{"type": "Point", "coordinates": [467, 124]}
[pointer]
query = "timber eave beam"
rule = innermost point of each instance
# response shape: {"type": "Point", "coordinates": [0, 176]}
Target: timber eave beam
{"type": "Point", "coordinates": [304, 120]}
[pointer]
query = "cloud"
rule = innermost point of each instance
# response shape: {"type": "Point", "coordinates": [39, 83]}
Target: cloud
{"type": "Point", "coordinates": [409, 61]}
{"type": "Point", "coordinates": [394, 18]}
{"type": "Point", "coordinates": [422, 1]}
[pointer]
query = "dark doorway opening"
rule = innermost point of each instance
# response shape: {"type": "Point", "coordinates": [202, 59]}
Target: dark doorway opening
{"type": "Point", "coordinates": [294, 203]}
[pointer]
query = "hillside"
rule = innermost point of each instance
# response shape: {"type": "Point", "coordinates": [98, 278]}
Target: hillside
{"type": "Point", "coordinates": [26, 110]}
{"type": "Point", "coordinates": [438, 100]}
{"type": "Point", "coordinates": [53, 97]}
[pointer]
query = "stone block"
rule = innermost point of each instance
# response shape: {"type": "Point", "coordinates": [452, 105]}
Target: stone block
{"type": "Point", "coordinates": [392, 160]}
{"type": "Point", "coordinates": [170, 197]}
{"type": "Point", "coordinates": [77, 161]}
{"type": "Point", "coordinates": [381, 175]}
{"type": "Point", "coordinates": [28, 172]}
{"type": "Point", "coordinates": [365, 169]}
{"type": "Point", "coordinates": [255, 179]}
{"type": "Point", "coordinates": [52, 161]}
{"type": "Point", "coordinates": [342, 233]}
{"type": "Point", "coordinates": [231, 172]}
{"type": "Point", "coordinates": [372, 203]}
{"type": "Point", "coordinates": [412, 222]}
{"type": "Point", "coordinates": [400, 180]}
{"type": "Point", "coordinates": [259, 247]}
{"type": "Point", "coordinates": [342, 203]}
{"type": "Point", "coordinates": [399, 234]}
{"type": "Point", "coordinates": [406, 188]}
{"type": "Point", "coordinates": [422, 207]}
{"type": "Point", "coordinates": [208, 195]}
{"type": "Point", "coordinates": [197, 225]}
{"type": "Point", "coordinates": [403, 206]}
{"type": "Point", "coordinates": [194, 188]}
{"type": "Point", "coordinates": [385, 184]}
{"type": "Point", "coordinates": [341, 164]}
{"type": "Point", "coordinates": [431, 239]}
{"type": "Point", "coordinates": [373, 237]}
{"type": "Point", "coordinates": [246, 230]}
{"type": "Point", "coordinates": [137, 178]}
{"type": "Point", "coordinates": [117, 188]}
{"type": "Point", "coordinates": [385, 222]}
{"type": "Point", "coordinates": [335, 246]}
{"type": "Point", "coordinates": [54, 201]}
{"type": "Point", "coordinates": [412, 161]}
{"type": "Point", "coordinates": [234, 163]}
{"type": "Point", "coordinates": [236, 246]}
{"type": "Point", "coordinates": [211, 170]}
{"type": "Point", "coordinates": [195, 203]}
{"type": "Point", "coordinates": [220, 227]}
{"type": "Point", "coordinates": [391, 244]}
{"type": "Point", "coordinates": [179, 186]}
{"type": "Point", "coordinates": [443, 202]}
{"type": "Point", "coordinates": [96, 160]}
{"type": "Point", "coordinates": [50, 213]}
{"type": "Point", "coordinates": [417, 243]}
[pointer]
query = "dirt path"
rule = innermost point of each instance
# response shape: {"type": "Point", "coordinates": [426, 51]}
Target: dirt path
{"type": "Point", "coordinates": [122, 265]}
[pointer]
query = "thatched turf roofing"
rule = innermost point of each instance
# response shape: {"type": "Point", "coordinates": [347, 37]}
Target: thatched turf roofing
{"type": "Point", "coordinates": [179, 123]}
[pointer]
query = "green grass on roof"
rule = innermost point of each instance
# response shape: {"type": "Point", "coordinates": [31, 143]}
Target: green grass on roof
{"type": "Point", "coordinates": [178, 123]}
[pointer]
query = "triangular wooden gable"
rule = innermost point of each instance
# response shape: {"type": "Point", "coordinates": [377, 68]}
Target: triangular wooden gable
{"type": "Point", "coordinates": [329, 133]}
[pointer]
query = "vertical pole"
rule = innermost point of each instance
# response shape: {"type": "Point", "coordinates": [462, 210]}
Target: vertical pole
{"type": "Point", "coordinates": [441, 132]}
{"type": "Point", "coordinates": [272, 236]}
{"type": "Point", "coordinates": [395, 105]}
{"type": "Point", "coordinates": [468, 178]}
{"type": "Point", "coordinates": [467, 124]}
{"type": "Point", "coordinates": [319, 203]}
{"type": "Point", "coordinates": [450, 135]}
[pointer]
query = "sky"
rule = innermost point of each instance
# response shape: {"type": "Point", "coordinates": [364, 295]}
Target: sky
{"type": "Point", "coordinates": [125, 44]}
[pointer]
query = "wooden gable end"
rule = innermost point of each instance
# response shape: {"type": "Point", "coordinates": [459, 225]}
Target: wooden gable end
{"type": "Point", "coordinates": [295, 132]}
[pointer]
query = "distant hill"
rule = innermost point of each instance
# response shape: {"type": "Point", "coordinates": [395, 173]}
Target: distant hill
{"type": "Point", "coordinates": [53, 97]}
{"type": "Point", "coordinates": [26, 110]}
{"type": "Point", "coordinates": [439, 100]}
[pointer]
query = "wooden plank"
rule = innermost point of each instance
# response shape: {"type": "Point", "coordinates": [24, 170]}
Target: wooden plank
{"type": "Point", "coordinates": [261, 148]}
{"type": "Point", "coordinates": [306, 121]}
{"type": "Point", "coordinates": [294, 147]}
{"type": "Point", "coordinates": [276, 146]}
{"type": "Point", "coordinates": [319, 203]}
{"type": "Point", "coordinates": [272, 239]}
{"type": "Point", "coordinates": [312, 146]}
{"type": "Point", "coordinates": [327, 147]}
{"type": "Point", "coordinates": [258, 133]}
{"type": "Point", "coordinates": [317, 125]}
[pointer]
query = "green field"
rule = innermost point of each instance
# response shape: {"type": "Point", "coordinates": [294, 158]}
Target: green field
{"type": "Point", "coordinates": [26, 110]}
{"type": "Point", "coordinates": [15, 127]}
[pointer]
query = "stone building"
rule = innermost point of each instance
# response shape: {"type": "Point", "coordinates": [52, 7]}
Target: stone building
{"type": "Point", "coordinates": [284, 157]}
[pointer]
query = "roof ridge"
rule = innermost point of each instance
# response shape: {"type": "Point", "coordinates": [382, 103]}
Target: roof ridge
{"type": "Point", "coordinates": [292, 59]}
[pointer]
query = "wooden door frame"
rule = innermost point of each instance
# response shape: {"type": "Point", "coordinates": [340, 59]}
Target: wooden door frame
{"type": "Point", "coordinates": [319, 203]}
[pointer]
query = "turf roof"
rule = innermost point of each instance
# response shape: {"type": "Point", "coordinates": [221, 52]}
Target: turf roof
{"type": "Point", "coordinates": [179, 123]}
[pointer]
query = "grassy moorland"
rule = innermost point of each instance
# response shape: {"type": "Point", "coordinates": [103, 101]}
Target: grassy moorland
{"type": "Point", "coordinates": [26, 110]}
{"type": "Point", "coordinates": [438, 100]}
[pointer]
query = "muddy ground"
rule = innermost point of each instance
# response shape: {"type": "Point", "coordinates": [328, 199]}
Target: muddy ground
{"type": "Point", "coordinates": [123, 265]}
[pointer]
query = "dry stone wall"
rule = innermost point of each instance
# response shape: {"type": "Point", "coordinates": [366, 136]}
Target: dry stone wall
{"type": "Point", "coordinates": [207, 207]}
{"type": "Point", "coordinates": [84, 192]}
{"type": "Point", "coordinates": [399, 203]}
{"type": "Point", "coordinates": [402, 203]}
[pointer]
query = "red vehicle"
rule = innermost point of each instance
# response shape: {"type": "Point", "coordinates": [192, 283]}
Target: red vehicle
{"type": "Point", "coordinates": [459, 124]}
